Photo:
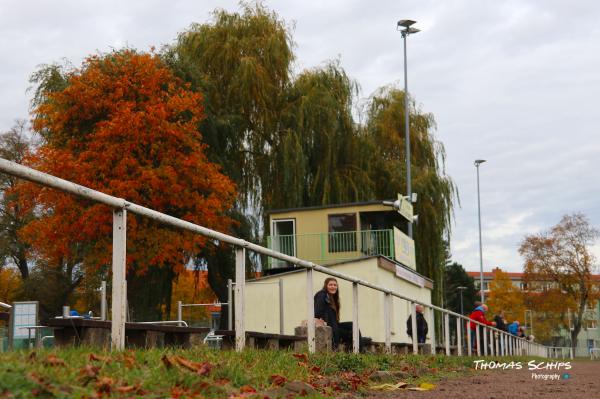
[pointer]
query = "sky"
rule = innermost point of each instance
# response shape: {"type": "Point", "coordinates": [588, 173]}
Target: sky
{"type": "Point", "coordinates": [513, 82]}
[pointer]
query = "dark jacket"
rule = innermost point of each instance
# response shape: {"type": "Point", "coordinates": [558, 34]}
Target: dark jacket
{"type": "Point", "coordinates": [500, 325]}
{"type": "Point", "coordinates": [422, 327]}
{"type": "Point", "coordinates": [324, 311]}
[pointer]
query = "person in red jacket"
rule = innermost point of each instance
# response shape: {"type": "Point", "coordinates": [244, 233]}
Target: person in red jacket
{"type": "Point", "coordinates": [478, 315]}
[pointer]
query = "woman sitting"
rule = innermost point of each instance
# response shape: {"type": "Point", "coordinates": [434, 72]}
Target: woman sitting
{"type": "Point", "coordinates": [327, 308]}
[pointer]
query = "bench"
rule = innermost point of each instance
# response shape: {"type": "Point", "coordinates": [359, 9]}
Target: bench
{"type": "Point", "coordinates": [79, 331]}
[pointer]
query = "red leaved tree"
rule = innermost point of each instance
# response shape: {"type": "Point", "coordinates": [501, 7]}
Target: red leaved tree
{"type": "Point", "coordinates": [124, 125]}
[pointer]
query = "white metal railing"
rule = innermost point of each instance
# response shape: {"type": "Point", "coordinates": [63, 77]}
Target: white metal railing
{"type": "Point", "coordinates": [5, 305]}
{"type": "Point", "coordinates": [512, 345]}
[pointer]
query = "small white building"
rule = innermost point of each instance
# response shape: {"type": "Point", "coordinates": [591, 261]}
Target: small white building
{"type": "Point", "coordinates": [278, 303]}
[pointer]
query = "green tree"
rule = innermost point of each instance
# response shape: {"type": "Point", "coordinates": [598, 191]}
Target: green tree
{"type": "Point", "coordinates": [456, 276]}
{"type": "Point", "coordinates": [14, 146]}
{"type": "Point", "coordinates": [436, 190]}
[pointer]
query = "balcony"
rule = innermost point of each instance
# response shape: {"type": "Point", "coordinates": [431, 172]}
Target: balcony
{"type": "Point", "coordinates": [324, 248]}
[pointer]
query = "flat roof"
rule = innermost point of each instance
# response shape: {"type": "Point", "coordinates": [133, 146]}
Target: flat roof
{"type": "Point", "coordinates": [317, 207]}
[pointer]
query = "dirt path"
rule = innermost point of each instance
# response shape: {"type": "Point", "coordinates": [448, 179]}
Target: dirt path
{"type": "Point", "coordinates": [582, 381]}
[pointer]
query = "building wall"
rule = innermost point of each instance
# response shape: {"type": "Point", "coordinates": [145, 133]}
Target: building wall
{"type": "Point", "coordinates": [262, 300]}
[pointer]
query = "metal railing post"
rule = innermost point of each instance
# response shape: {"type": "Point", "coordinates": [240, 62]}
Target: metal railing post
{"type": "Point", "coordinates": [119, 287]}
{"type": "Point", "coordinates": [355, 330]}
{"type": "Point", "coordinates": [447, 333]}
{"type": "Point", "coordinates": [485, 341]}
{"type": "Point", "coordinates": [459, 337]}
{"type": "Point", "coordinates": [491, 342]}
{"type": "Point", "coordinates": [478, 338]}
{"type": "Point", "coordinates": [415, 344]}
{"type": "Point", "coordinates": [432, 330]}
{"type": "Point", "coordinates": [240, 285]}
{"type": "Point", "coordinates": [179, 313]}
{"type": "Point", "coordinates": [310, 312]}
{"type": "Point", "coordinates": [103, 300]}
{"type": "Point", "coordinates": [470, 343]}
{"type": "Point", "coordinates": [229, 304]}
{"type": "Point", "coordinates": [387, 310]}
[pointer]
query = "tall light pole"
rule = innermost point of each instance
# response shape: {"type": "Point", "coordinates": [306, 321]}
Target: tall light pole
{"type": "Point", "coordinates": [461, 289]}
{"type": "Point", "coordinates": [477, 163]}
{"type": "Point", "coordinates": [408, 30]}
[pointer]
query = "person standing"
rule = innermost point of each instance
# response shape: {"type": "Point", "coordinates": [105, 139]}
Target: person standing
{"type": "Point", "coordinates": [422, 327]}
{"type": "Point", "coordinates": [500, 321]}
{"type": "Point", "coordinates": [478, 315]}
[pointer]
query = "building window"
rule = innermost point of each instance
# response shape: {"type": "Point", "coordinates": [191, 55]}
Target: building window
{"type": "Point", "coordinates": [523, 286]}
{"type": "Point", "coordinates": [591, 324]}
{"type": "Point", "coordinates": [342, 232]}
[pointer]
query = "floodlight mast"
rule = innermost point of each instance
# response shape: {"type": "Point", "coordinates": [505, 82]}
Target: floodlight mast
{"type": "Point", "coordinates": [408, 30]}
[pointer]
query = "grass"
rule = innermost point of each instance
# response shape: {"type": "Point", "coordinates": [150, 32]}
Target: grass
{"type": "Point", "coordinates": [156, 373]}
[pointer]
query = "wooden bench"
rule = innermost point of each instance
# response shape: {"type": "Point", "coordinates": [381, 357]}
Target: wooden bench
{"type": "Point", "coordinates": [79, 331]}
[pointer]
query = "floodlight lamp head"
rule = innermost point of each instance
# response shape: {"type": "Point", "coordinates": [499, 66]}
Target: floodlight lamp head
{"type": "Point", "coordinates": [479, 162]}
{"type": "Point", "coordinates": [406, 23]}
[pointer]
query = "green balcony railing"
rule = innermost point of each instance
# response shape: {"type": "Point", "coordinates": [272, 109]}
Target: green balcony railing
{"type": "Point", "coordinates": [332, 247]}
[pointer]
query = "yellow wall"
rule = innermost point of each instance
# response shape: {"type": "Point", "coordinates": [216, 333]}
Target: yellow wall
{"type": "Point", "coordinates": [262, 300]}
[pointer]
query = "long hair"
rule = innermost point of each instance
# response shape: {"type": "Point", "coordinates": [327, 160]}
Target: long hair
{"type": "Point", "coordinates": [334, 299]}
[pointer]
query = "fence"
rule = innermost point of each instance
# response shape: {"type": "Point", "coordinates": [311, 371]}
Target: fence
{"type": "Point", "coordinates": [500, 343]}
{"type": "Point", "coordinates": [333, 246]}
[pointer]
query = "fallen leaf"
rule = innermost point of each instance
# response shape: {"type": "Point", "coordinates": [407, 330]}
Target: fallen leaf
{"type": "Point", "coordinates": [278, 380]}
{"type": "Point", "coordinates": [53, 360]}
{"type": "Point", "coordinates": [88, 373]}
{"type": "Point", "coordinates": [32, 356]}
{"type": "Point", "coordinates": [201, 368]}
{"type": "Point", "coordinates": [97, 358]}
{"type": "Point", "coordinates": [427, 386]}
{"type": "Point", "coordinates": [301, 356]}
{"type": "Point", "coordinates": [247, 389]}
{"type": "Point", "coordinates": [389, 387]}
{"type": "Point", "coordinates": [127, 388]}
{"type": "Point", "coordinates": [167, 362]}
{"type": "Point", "coordinates": [104, 385]}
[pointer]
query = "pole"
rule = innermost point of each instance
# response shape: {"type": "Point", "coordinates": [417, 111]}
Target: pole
{"type": "Point", "coordinates": [103, 300]}
{"type": "Point", "coordinates": [407, 130]}
{"type": "Point", "coordinates": [229, 304]}
{"type": "Point", "coordinates": [480, 247]}
{"type": "Point", "coordinates": [119, 287]}
{"type": "Point", "coordinates": [240, 283]}
{"type": "Point", "coordinates": [462, 311]}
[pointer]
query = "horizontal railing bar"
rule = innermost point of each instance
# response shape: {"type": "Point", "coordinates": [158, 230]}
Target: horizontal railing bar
{"type": "Point", "coordinates": [45, 179]}
{"type": "Point", "coordinates": [184, 305]}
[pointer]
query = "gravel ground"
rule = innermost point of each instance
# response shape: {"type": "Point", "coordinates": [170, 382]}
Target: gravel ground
{"type": "Point", "coordinates": [582, 381]}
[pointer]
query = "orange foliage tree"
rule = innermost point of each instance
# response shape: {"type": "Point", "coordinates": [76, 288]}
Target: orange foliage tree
{"type": "Point", "coordinates": [124, 125]}
{"type": "Point", "coordinates": [191, 286]}
{"type": "Point", "coordinates": [504, 296]}
{"type": "Point", "coordinates": [10, 284]}
{"type": "Point", "coordinates": [559, 264]}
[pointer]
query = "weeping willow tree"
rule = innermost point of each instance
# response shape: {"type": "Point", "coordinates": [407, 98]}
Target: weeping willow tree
{"type": "Point", "coordinates": [293, 141]}
{"type": "Point", "coordinates": [241, 63]}
{"type": "Point", "coordinates": [385, 128]}
{"type": "Point", "coordinates": [319, 159]}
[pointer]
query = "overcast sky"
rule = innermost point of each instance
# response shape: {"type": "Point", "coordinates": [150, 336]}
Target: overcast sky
{"type": "Point", "coordinates": [514, 82]}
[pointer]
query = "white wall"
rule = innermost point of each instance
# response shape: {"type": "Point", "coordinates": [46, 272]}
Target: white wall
{"type": "Point", "coordinates": [262, 300]}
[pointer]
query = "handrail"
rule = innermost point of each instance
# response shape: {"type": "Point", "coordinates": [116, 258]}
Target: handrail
{"type": "Point", "coordinates": [165, 322]}
{"type": "Point", "coordinates": [5, 305]}
{"type": "Point", "coordinates": [122, 204]}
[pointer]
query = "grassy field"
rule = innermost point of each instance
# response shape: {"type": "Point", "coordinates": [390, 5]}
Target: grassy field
{"type": "Point", "coordinates": [206, 373]}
